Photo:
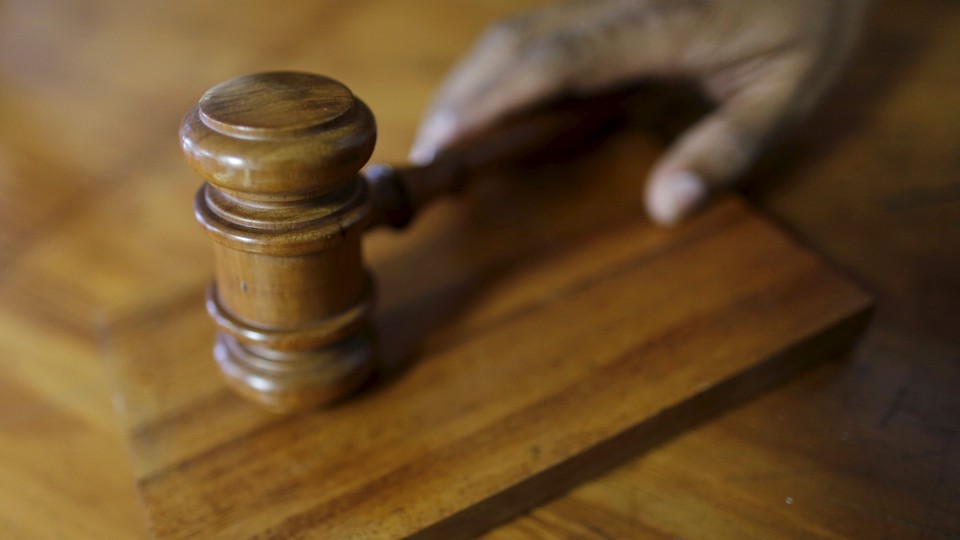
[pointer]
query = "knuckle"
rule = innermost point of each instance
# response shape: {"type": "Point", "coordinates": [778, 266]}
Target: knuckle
{"type": "Point", "coordinates": [516, 24]}
{"type": "Point", "coordinates": [510, 31]}
{"type": "Point", "coordinates": [503, 28]}
{"type": "Point", "coordinates": [568, 44]}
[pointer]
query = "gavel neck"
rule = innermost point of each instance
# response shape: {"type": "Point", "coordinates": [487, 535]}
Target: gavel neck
{"type": "Point", "coordinates": [398, 194]}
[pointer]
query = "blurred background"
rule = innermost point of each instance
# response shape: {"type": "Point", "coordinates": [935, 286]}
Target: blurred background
{"type": "Point", "coordinates": [95, 211]}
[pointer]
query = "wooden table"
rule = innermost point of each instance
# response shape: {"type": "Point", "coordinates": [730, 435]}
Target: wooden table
{"type": "Point", "coordinates": [90, 98]}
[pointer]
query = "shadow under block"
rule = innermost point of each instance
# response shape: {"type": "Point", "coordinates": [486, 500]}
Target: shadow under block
{"type": "Point", "coordinates": [524, 352]}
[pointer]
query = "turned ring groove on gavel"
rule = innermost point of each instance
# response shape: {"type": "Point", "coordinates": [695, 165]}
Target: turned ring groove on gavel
{"type": "Point", "coordinates": [286, 208]}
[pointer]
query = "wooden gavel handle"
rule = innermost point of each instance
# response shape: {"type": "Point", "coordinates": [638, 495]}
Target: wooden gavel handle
{"type": "Point", "coordinates": [398, 193]}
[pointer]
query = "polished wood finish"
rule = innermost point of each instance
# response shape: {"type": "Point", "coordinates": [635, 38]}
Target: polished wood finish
{"type": "Point", "coordinates": [286, 209]}
{"type": "Point", "coordinates": [292, 300]}
{"type": "Point", "coordinates": [506, 383]}
{"type": "Point", "coordinates": [95, 239]}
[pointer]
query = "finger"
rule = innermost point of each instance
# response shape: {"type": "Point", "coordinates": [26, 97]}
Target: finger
{"type": "Point", "coordinates": [759, 96]}
{"type": "Point", "coordinates": [449, 124]}
{"type": "Point", "coordinates": [716, 151]}
{"type": "Point", "coordinates": [505, 72]}
{"type": "Point", "coordinates": [571, 47]}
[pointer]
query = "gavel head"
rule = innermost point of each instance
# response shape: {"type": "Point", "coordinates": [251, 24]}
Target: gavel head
{"type": "Point", "coordinates": [285, 207]}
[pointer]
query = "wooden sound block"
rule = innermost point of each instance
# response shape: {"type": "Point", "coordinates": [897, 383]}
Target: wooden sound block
{"type": "Point", "coordinates": [532, 338]}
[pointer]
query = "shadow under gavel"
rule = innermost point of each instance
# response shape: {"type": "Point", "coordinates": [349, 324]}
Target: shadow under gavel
{"type": "Point", "coordinates": [286, 208]}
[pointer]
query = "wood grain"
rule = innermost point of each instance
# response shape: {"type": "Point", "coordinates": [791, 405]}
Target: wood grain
{"type": "Point", "coordinates": [536, 365]}
{"type": "Point", "coordinates": [95, 240]}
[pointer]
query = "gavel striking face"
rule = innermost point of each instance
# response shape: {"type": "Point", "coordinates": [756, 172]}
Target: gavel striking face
{"type": "Point", "coordinates": [286, 209]}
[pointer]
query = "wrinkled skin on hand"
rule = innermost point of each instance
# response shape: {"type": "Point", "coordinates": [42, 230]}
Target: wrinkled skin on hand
{"type": "Point", "coordinates": [765, 63]}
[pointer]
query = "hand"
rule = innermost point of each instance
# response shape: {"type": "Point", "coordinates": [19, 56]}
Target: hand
{"type": "Point", "coordinates": [764, 62]}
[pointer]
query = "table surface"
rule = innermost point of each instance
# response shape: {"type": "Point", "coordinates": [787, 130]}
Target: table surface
{"type": "Point", "coordinates": [91, 94]}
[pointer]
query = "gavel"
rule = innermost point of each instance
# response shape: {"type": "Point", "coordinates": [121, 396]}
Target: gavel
{"type": "Point", "coordinates": [286, 206]}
